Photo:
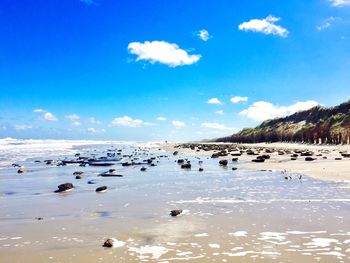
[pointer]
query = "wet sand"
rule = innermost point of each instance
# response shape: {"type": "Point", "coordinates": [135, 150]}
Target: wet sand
{"type": "Point", "coordinates": [228, 216]}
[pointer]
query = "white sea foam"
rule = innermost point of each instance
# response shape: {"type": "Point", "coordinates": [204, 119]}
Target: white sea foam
{"type": "Point", "coordinates": [201, 235]}
{"type": "Point", "coordinates": [239, 234]}
{"type": "Point", "coordinates": [155, 251]}
{"type": "Point", "coordinates": [321, 242]}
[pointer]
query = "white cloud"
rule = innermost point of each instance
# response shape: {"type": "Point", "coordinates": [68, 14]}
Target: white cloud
{"type": "Point", "coordinates": [23, 127]}
{"type": "Point", "coordinates": [340, 3]}
{"type": "Point", "coordinates": [50, 117]}
{"type": "Point", "coordinates": [73, 117]}
{"type": "Point", "coordinates": [162, 52]}
{"type": "Point", "coordinates": [76, 123]}
{"type": "Point", "coordinates": [161, 118]}
{"type": "Point", "coordinates": [93, 130]}
{"type": "Point", "coordinates": [216, 126]}
{"type": "Point", "coordinates": [214, 101]}
{"type": "Point", "coordinates": [127, 121]}
{"type": "Point", "coordinates": [47, 115]}
{"type": "Point", "coordinates": [204, 35]}
{"type": "Point", "coordinates": [266, 26]}
{"type": "Point", "coordinates": [93, 120]}
{"type": "Point", "coordinates": [237, 99]}
{"type": "Point", "coordinates": [220, 112]}
{"type": "Point", "coordinates": [262, 110]}
{"type": "Point", "coordinates": [178, 124]}
{"type": "Point", "coordinates": [326, 23]}
{"type": "Point", "coordinates": [149, 123]}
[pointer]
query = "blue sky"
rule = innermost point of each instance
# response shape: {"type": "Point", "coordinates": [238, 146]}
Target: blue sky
{"type": "Point", "coordinates": [166, 70]}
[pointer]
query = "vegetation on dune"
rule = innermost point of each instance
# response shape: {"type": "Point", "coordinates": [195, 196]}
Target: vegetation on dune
{"type": "Point", "coordinates": [316, 125]}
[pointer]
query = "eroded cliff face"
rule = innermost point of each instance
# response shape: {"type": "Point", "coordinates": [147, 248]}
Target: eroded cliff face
{"type": "Point", "coordinates": [317, 125]}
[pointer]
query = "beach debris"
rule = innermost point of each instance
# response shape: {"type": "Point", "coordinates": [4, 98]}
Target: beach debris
{"type": "Point", "coordinates": [39, 218]}
{"type": "Point", "coordinates": [92, 182]}
{"type": "Point", "coordinates": [175, 212]}
{"type": "Point", "coordinates": [78, 173]}
{"type": "Point", "coordinates": [101, 189]}
{"type": "Point", "coordinates": [64, 187]}
{"type": "Point", "coordinates": [108, 243]}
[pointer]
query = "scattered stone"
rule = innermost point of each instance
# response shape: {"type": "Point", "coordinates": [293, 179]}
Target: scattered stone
{"type": "Point", "coordinates": [186, 166]}
{"type": "Point", "coordinates": [175, 212]}
{"type": "Point", "coordinates": [78, 173]}
{"type": "Point", "coordinates": [108, 243]}
{"type": "Point", "coordinates": [39, 218]}
{"type": "Point", "coordinates": [338, 159]}
{"type": "Point", "coordinates": [234, 168]}
{"type": "Point", "coordinates": [143, 169]}
{"type": "Point", "coordinates": [78, 177]}
{"type": "Point", "coordinates": [200, 169]}
{"type": "Point", "coordinates": [101, 189]}
{"type": "Point", "coordinates": [309, 158]}
{"type": "Point", "coordinates": [223, 162]}
{"type": "Point", "coordinates": [180, 161]}
{"type": "Point", "coordinates": [65, 187]}
{"type": "Point", "coordinates": [21, 170]}
{"type": "Point", "coordinates": [234, 159]}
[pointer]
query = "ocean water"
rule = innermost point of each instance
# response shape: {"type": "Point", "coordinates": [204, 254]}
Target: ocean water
{"type": "Point", "coordinates": [228, 216]}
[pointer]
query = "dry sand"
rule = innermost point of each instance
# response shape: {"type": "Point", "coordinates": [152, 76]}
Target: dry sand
{"type": "Point", "coordinates": [323, 169]}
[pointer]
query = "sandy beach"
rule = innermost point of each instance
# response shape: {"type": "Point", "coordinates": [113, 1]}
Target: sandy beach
{"type": "Point", "coordinates": [227, 214]}
{"type": "Point", "coordinates": [328, 169]}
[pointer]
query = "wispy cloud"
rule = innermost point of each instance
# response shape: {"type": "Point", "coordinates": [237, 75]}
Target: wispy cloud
{"type": "Point", "coordinates": [220, 112]}
{"type": "Point", "coordinates": [178, 124]}
{"type": "Point", "coordinates": [214, 101]}
{"type": "Point", "coordinates": [162, 52]}
{"type": "Point", "coordinates": [204, 35]}
{"type": "Point", "coordinates": [74, 118]}
{"type": "Point", "coordinates": [88, 2]}
{"type": "Point", "coordinates": [326, 23]}
{"type": "Point", "coordinates": [262, 110]}
{"type": "Point", "coordinates": [340, 3]}
{"type": "Point", "coordinates": [23, 127]}
{"type": "Point", "coordinates": [216, 126]}
{"type": "Point", "coordinates": [127, 121]}
{"type": "Point", "coordinates": [161, 118]}
{"type": "Point", "coordinates": [93, 120]}
{"type": "Point", "coordinates": [266, 26]}
{"type": "Point", "coordinates": [237, 99]}
{"type": "Point", "coordinates": [94, 130]}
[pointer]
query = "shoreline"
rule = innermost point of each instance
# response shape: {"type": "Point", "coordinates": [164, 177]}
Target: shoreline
{"type": "Point", "coordinates": [322, 169]}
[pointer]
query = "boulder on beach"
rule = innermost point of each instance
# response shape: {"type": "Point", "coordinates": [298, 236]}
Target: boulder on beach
{"type": "Point", "coordinates": [143, 169]}
{"type": "Point", "coordinates": [186, 166]}
{"type": "Point", "coordinates": [200, 169]}
{"type": "Point", "coordinates": [309, 158]}
{"type": "Point", "coordinates": [21, 170]}
{"type": "Point", "coordinates": [108, 243]}
{"type": "Point", "coordinates": [65, 187]}
{"type": "Point", "coordinates": [78, 177]}
{"type": "Point", "coordinates": [175, 212]}
{"type": "Point", "coordinates": [101, 189]}
{"type": "Point", "coordinates": [223, 162]}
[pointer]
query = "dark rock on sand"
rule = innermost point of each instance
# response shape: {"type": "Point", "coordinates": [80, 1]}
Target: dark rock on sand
{"type": "Point", "coordinates": [101, 189]}
{"type": "Point", "coordinates": [175, 212]}
{"type": "Point", "coordinates": [186, 166]}
{"type": "Point", "coordinates": [78, 173]}
{"type": "Point", "coordinates": [108, 243]}
{"type": "Point", "coordinates": [223, 162]}
{"type": "Point", "coordinates": [21, 170]}
{"type": "Point", "coordinates": [258, 160]}
{"type": "Point", "coordinates": [110, 173]}
{"type": "Point", "coordinates": [143, 169]}
{"type": "Point", "coordinates": [234, 168]}
{"type": "Point", "coordinates": [200, 169]}
{"type": "Point", "coordinates": [78, 177]}
{"type": "Point", "coordinates": [65, 187]}
{"type": "Point", "coordinates": [92, 182]}
{"type": "Point", "coordinates": [309, 158]}
{"type": "Point", "coordinates": [234, 159]}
